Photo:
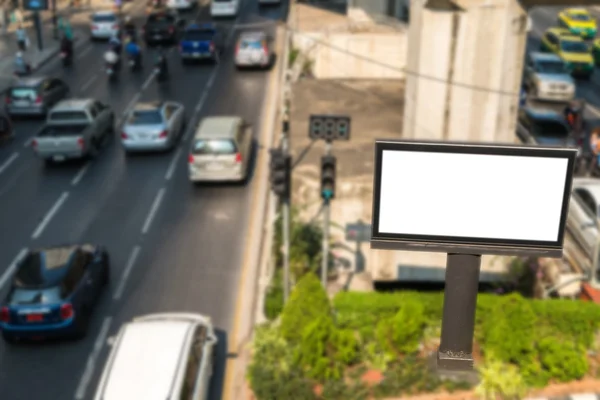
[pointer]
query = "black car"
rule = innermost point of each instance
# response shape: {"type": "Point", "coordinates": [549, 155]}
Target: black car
{"type": "Point", "coordinates": [162, 26]}
{"type": "Point", "coordinates": [53, 292]}
{"type": "Point", "coordinates": [544, 127]}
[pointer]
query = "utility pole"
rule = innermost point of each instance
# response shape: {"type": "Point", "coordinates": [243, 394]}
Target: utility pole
{"type": "Point", "coordinates": [328, 128]}
{"type": "Point", "coordinates": [285, 204]}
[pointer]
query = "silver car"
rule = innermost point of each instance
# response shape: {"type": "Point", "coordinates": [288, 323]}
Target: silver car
{"type": "Point", "coordinates": [153, 126]}
{"type": "Point", "coordinates": [221, 150]}
{"type": "Point", "coordinates": [104, 25]}
{"type": "Point", "coordinates": [254, 49]}
{"type": "Point", "coordinates": [547, 78]}
{"type": "Point", "coordinates": [35, 96]}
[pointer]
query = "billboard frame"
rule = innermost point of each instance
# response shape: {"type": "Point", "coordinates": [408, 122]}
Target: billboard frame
{"type": "Point", "coordinates": [462, 245]}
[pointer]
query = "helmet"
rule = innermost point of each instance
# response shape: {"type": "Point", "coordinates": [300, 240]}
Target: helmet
{"type": "Point", "coordinates": [19, 54]}
{"type": "Point", "coordinates": [127, 19]}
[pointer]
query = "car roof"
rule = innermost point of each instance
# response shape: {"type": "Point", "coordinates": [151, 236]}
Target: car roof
{"type": "Point", "coordinates": [148, 106]}
{"type": "Point", "coordinates": [148, 360]}
{"type": "Point", "coordinates": [562, 33]}
{"type": "Point", "coordinates": [72, 104]}
{"type": "Point", "coordinates": [46, 267]}
{"type": "Point", "coordinates": [592, 185]}
{"type": "Point", "coordinates": [30, 81]}
{"type": "Point", "coordinates": [577, 10]}
{"type": "Point", "coordinates": [539, 56]}
{"type": "Point", "coordinates": [218, 127]}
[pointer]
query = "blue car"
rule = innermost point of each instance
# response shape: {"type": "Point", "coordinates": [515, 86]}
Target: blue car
{"type": "Point", "coordinates": [53, 292]}
{"type": "Point", "coordinates": [200, 42]}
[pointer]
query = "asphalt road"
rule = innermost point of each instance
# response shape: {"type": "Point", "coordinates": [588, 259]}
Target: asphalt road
{"type": "Point", "coordinates": [546, 17]}
{"type": "Point", "coordinates": [173, 246]}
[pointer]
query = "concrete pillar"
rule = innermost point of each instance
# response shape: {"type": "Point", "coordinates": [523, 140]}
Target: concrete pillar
{"type": "Point", "coordinates": [464, 69]}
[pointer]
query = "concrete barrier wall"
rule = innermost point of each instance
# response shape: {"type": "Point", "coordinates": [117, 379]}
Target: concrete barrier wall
{"type": "Point", "coordinates": [354, 55]}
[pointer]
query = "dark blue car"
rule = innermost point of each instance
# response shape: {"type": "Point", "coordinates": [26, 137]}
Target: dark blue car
{"type": "Point", "coordinates": [200, 42]}
{"type": "Point", "coordinates": [53, 292]}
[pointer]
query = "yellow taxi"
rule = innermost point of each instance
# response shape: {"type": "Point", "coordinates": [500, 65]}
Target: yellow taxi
{"type": "Point", "coordinates": [596, 51]}
{"type": "Point", "coordinates": [578, 21]}
{"type": "Point", "coordinates": [576, 53]}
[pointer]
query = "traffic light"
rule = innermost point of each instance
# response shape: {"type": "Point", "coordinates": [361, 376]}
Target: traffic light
{"type": "Point", "coordinates": [329, 127]}
{"type": "Point", "coordinates": [328, 177]}
{"type": "Point", "coordinates": [281, 173]}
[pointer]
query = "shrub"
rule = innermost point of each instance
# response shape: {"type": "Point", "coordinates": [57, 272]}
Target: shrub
{"type": "Point", "coordinates": [271, 373]}
{"type": "Point", "coordinates": [500, 380]}
{"type": "Point", "coordinates": [574, 319]}
{"type": "Point", "coordinates": [409, 375]}
{"type": "Point", "coordinates": [564, 361]}
{"type": "Point", "coordinates": [339, 389]}
{"type": "Point", "coordinates": [325, 351]}
{"type": "Point", "coordinates": [402, 333]}
{"type": "Point", "coordinates": [274, 297]}
{"type": "Point", "coordinates": [308, 301]}
{"type": "Point", "coordinates": [509, 329]}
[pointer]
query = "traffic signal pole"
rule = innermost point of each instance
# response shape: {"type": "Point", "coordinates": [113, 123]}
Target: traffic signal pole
{"type": "Point", "coordinates": [326, 220]}
{"type": "Point", "coordinates": [285, 211]}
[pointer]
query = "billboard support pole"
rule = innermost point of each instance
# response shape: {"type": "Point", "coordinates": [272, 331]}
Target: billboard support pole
{"type": "Point", "coordinates": [458, 321]}
{"type": "Point", "coordinates": [38, 30]}
{"type": "Point", "coordinates": [326, 218]}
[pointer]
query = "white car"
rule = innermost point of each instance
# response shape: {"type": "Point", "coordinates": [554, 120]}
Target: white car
{"type": "Point", "coordinates": [160, 356]}
{"type": "Point", "coordinates": [547, 78]}
{"type": "Point", "coordinates": [181, 5]}
{"type": "Point", "coordinates": [584, 212]}
{"type": "Point", "coordinates": [104, 25]}
{"type": "Point", "coordinates": [224, 8]}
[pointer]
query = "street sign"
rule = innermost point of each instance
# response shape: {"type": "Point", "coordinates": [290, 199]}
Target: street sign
{"type": "Point", "coordinates": [358, 232]}
{"type": "Point", "coordinates": [467, 198]}
{"type": "Point", "coordinates": [35, 5]}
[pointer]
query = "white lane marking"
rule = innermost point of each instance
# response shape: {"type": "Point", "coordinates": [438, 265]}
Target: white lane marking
{"type": "Point", "coordinates": [89, 82]}
{"type": "Point", "coordinates": [130, 263]}
{"type": "Point", "coordinates": [153, 210]}
{"type": "Point", "coordinates": [211, 80]}
{"type": "Point", "coordinates": [80, 174]}
{"type": "Point", "coordinates": [28, 142]}
{"type": "Point", "coordinates": [173, 165]}
{"type": "Point", "coordinates": [131, 103]}
{"type": "Point", "coordinates": [149, 80]}
{"type": "Point", "coordinates": [593, 110]}
{"type": "Point", "coordinates": [7, 163]}
{"type": "Point", "coordinates": [11, 268]}
{"type": "Point", "coordinates": [201, 101]}
{"type": "Point", "coordinates": [91, 362]}
{"type": "Point", "coordinates": [83, 53]}
{"type": "Point", "coordinates": [48, 217]}
{"type": "Point", "coordinates": [189, 130]}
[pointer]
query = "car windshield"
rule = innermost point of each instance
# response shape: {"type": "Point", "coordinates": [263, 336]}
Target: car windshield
{"type": "Point", "coordinates": [569, 46]}
{"type": "Point", "coordinates": [23, 93]}
{"type": "Point", "coordinates": [214, 147]}
{"type": "Point", "coordinates": [104, 18]}
{"type": "Point", "coordinates": [580, 17]}
{"type": "Point", "coordinates": [549, 129]}
{"type": "Point", "coordinates": [251, 44]}
{"type": "Point", "coordinates": [36, 296]}
{"type": "Point", "coordinates": [199, 36]}
{"type": "Point", "coordinates": [152, 117]}
{"type": "Point", "coordinates": [68, 116]}
{"type": "Point", "coordinates": [551, 67]}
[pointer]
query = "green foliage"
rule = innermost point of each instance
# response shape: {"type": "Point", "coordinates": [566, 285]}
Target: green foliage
{"type": "Point", "coordinates": [308, 301]}
{"type": "Point", "coordinates": [509, 329]}
{"type": "Point", "coordinates": [579, 321]}
{"type": "Point", "coordinates": [564, 361]}
{"type": "Point", "coordinates": [375, 357]}
{"type": "Point", "coordinates": [500, 381]}
{"type": "Point", "coordinates": [272, 364]}
{"type": "Point", "coordinates": [325, 351]}
{"type": "Point", "coordinates": [340, 390]}
{"type": "Point", "coordinates": [274, 297]}
{"type": "Point", "coordinates": [305, 245]}
{"type": "Point", "coordinates": [402, 333]}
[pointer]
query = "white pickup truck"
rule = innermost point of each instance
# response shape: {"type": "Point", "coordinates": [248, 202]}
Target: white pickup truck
{"type": "Point", "coordinates": [75, 128]}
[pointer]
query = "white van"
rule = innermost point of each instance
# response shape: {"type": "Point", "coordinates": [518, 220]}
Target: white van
{"type": "Point", "coordinates": [224, 8]}
{"type": "Point", "coordinates": [160, 356]}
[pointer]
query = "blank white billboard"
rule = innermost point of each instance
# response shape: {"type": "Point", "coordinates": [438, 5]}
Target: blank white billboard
{"type": "Point", "coordinates": [491, 198]}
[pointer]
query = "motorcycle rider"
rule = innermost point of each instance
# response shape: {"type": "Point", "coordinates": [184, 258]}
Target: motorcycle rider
{"type": "Point", "coordinates": [115, 43]}
{"type": "Point", "coordinates": [21, 66]}
{"type": "Point", "coordinates": [129, 27]}
{"type": "Point", "coordinates": [574, 115]}
{"type": "Point", "coordinates": [66, 46]}
{"type": "Point", "coordinates": [134, 52]}
{"type": "Point", "coordinates": [112, 59]}
{"type": "Point", "coordinates": [161, 64]}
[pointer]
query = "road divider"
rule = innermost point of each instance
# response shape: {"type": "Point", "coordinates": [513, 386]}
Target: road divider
{"type": "Point", "coordinates": [48, 217]}
{"type": "Point", "coordinates": [92, 359]}
{"type": "Point", "coordinates": [157, 201]}
{"type": "Point", "coordinates": [123, 281]}
{"type": "Point", "coordinates": [8, 162]}
{"type": "Point", "coordinates": [11, 267]}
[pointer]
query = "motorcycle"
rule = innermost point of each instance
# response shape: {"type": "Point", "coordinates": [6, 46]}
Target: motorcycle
{"type": "Point", "coordinates": [66, 57]}
{"type": "Point", "coordinates": [111, 70]}
{"type": "Point", "coordinates": [161, 70]}
{"type": "Point", "coordinates": [135, 62]}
